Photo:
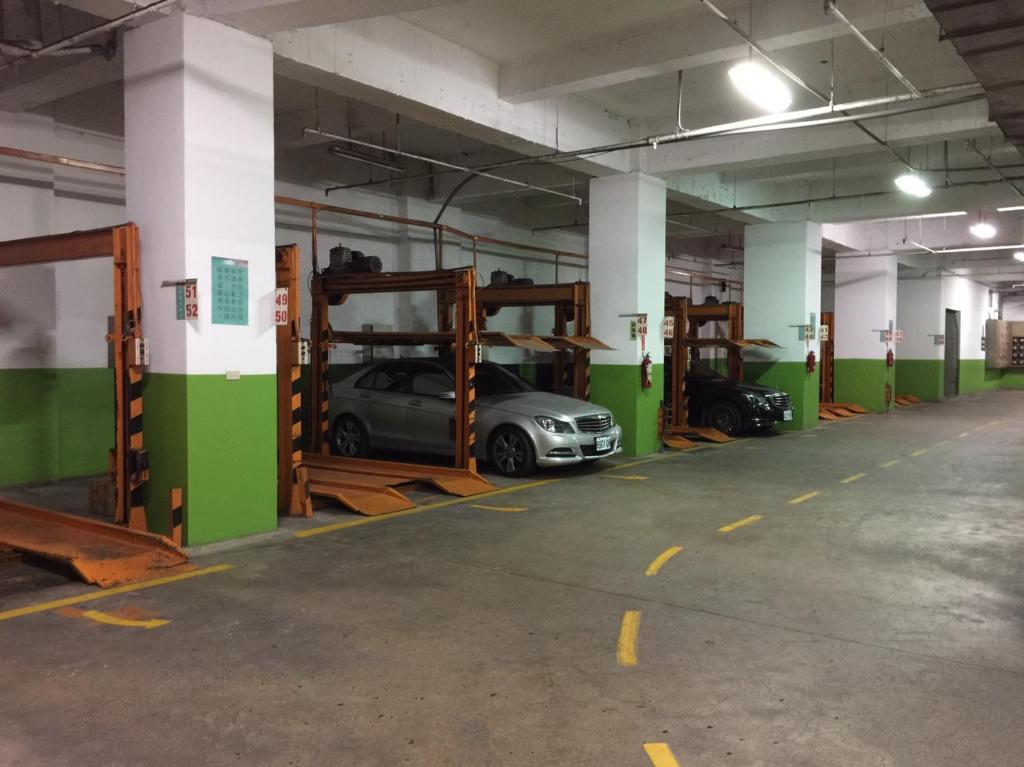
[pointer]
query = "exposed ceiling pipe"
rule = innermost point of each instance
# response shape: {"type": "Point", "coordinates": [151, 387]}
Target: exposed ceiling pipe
{"type": "Point", "coordinates": [68, 42]}
{"type": "Point", "coordinates": [831, 7]}
{"type": "Point", "coordinates": [996, 170]}
{"type": "Point", "coordinates": [435, 161]}
{"type": "Point", "coordinates": [337, 151]}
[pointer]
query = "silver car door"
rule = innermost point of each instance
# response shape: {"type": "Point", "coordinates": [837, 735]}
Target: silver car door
{"type": "Point", "coordinates": [430, 413]}
{"type": "Point", "coordinates": [387, 405]}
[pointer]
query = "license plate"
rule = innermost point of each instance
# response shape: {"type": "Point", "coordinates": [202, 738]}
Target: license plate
{"type": "Point", "coordinates": [787, 415]}
{"type": "Point", "coordinates": [602, 443]}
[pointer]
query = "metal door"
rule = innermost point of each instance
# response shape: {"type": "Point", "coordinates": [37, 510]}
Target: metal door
{"type": "Point", "coordinates": [952, 363]}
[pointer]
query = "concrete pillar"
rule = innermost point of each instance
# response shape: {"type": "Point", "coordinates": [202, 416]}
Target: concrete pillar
{"type": "Point", "coordinates": [865, 305]}
{"type": "Point", "coordinates": [627, 275]}
{"type": "Point", "coordinates": [782, 289]}
{"type": "Point", "coordinates": [199, 151]}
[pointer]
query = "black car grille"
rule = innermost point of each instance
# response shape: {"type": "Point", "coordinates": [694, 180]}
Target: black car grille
{"type": "Point", "coordinates": [594, 424]}
{"type": "Point", "coordinates": [780, 401]}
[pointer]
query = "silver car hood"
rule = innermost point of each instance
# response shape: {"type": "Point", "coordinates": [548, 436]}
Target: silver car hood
{"type": "Point", "coordinates": [541, 403]}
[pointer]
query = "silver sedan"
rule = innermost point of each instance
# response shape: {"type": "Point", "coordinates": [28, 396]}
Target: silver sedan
{"type": "Point", "coordinates": [408, 404]}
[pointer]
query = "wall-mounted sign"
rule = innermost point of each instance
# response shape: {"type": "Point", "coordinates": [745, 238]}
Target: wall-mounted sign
{"type": "Point", "coordinates": [940, 340]}
{"type": "Point", "coordinates": [230, 287]}
{"type": "Point", "coordinates": [823, 332]}
{"type": "Point", "coordinates": [668, 327]}
{"type": "Point", "coordinates": [899, 336]}
{"type": "Point", "coordinates": [281, 306]}
{"type": "Point", "coordinates": [186, 301]}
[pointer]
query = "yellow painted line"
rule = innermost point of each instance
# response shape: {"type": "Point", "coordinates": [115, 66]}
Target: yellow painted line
{"type": "Point", "coordinates": [93, 595]}
{"type": "Point", "coordinates": [628, 477]}
{"type": "Point", "coordinates": [740, 523]}
{"type": "Point", "coordinates": [641, 462]}
{"type": "Point", "coordinates": [887, 464]}
{"type": "Point", "coordinates": [113, 620]}
{"type": "Point", "coordinates": [852, 478]}
{"type": "Point", "coordinates": [429, 507]}
{"type": "Point", "coordinates": [661, 559]}
{"type": "Point", "coordinates": [498, 508]}
{"type": "Point", "coordinates": [803, 498]}
{"type": "Point", "coordinates": [919, 453]}
{"type": "Point", "coordinates": [660, 755]}
{"type": "Point", "coordinates": [965, 434]}
{"type": "Point", "coordinates": [626, 650]}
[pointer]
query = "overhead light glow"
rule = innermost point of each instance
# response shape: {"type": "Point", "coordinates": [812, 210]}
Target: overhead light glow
{"type": "Point", "coordinates": [983, 230]}
{"type": "Point", "coordinates": [761, 86]}
{"type": "Point", "coordinates": [1019, 255]}
{"type": "Point", "coordinates": [914, 185]}
{"type": "Point", "coordinates": [1010, 209]}
{"type": "Point", "coordinates": [676, 271]}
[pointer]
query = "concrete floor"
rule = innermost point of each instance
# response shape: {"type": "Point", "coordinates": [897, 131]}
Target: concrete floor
{"type": "Point", "coordinates": [880, 622]}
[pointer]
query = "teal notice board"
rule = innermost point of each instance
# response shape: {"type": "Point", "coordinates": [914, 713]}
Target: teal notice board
{"type": "Point", "coordinates": [230, 291]}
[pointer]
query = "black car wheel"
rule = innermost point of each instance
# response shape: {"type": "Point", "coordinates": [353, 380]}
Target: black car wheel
{"type": "Point", "coordinates": [725, 417]}
{"type": "Point", "coordinates": [511, 452]}
{"type": "Point", "coordinates": [349, 438]}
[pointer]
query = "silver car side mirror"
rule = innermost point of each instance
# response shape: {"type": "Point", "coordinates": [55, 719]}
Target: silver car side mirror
{"type": "Point", "coordinates": [446, 395]}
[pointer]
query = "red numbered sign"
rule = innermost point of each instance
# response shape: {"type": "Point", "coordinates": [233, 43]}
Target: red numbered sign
{"type": "Point", "coordinates": [281, 306]}
{"type": "Point", "coordinates": [191, 301]}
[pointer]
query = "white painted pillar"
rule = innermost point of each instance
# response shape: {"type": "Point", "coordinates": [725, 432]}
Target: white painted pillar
{"type": "Point", "coordinates": [627, 276]}
{"type": "Point", "coordinates": [865, 306]}
{"type": "Point", "coordinates": [199, 151]}
{"type": "Point", "coordinates": [782, 289]}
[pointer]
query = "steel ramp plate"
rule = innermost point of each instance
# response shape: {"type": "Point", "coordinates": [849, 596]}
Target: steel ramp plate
{"type": "Point", "coordinates": [471, 484]}
{"type": "Point", "coordinates": [705, 432]}
{"type": "Point", "coordinates": [101, 553]}
{"type": "Point", "coordinates": [676, 442]}
{"type": "Point", "coordinates": [826, 415]}
{"type": "Point", "coordinates": [362, 500]}
{"type": "Point", "coordinates": [853, 407]}
{"type": "Point", "coordinates": [910, 398]}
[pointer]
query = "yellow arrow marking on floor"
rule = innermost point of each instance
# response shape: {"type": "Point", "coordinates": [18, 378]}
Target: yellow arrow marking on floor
{"type": "Point", "coordinates": [918, 453]}
{"type": "Point", "coordinates": [627, 477]}
{"type": "Point", "coordinates": [741, 523]}
{"type": "Point", "coordinates": [661, 559]}
{"type": "Point", "coordinates": [660, 755]}
{"type": "Point", "coordinates": [626, 650]}
{"type": "Point", "coordinates": [803, 498]}
{"type": "Point", "coordinates": [113, 620]}
{"type": "Point", "coordinates": [853, 478]}
{"type": "Point", "coordinates": [498, 508]}
{"type": "Point", "coordinates": [887, 464]}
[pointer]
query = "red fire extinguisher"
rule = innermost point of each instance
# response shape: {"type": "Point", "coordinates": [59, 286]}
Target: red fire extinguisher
{"type": "Point", "coordinates": [890, 359]}
{"type": "Point", "coordinates": [645, 372]}
{"type": "Point", "coordinates": [812, 362]}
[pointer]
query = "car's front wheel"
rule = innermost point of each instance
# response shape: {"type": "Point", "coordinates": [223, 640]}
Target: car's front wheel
{"type": "Point", "coordinates": [725, 417]}
{"type": "Point", "coordinates": [349, 438]}
{"type": "Point", "coordinates": [511, 452]}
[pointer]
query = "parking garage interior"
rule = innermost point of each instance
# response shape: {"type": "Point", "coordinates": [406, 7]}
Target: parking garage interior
{"type": "Point", "coordinates": [455, 383]}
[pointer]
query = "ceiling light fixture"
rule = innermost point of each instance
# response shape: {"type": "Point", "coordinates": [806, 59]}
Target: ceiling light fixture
{"type": "Point", "coordinates": [1010, 209]}
{"type": "Point", "coordinates": [913, 184]}
{"type": "Point", "coordinates": [684, 274]}
{"type": "Point", "coordinates": [1019, 255]}
{"type": "Point", "coordinates": [983, 230]}
{"type": "Point", "coordinates": [761, 86]}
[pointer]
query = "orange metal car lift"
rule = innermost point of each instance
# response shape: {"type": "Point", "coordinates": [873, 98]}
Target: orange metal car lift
{"type": "Point", "coordinates": [367, 486]}
{"type": "Point", "coordinates": [98, 554]}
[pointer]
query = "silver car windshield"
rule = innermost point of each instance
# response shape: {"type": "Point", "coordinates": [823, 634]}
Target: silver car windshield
{"type": "Point", "coordinates": [492, 380]}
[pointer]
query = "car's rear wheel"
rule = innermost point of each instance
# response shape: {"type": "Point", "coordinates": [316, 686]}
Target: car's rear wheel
{"type": "Point", "coordinates": [511, 452]}
{"type": "Point", "coordinates": [725, 417]}
{"type": "Point", "coordinates": [349, 438]}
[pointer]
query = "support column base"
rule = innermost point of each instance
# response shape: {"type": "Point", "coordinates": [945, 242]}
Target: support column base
{"type": "Point", "coordinates": [863, 381]}
{"type": "Point", "coordinates": [617, 387]}
{"type": "Point", "coordinates": [792, 378]}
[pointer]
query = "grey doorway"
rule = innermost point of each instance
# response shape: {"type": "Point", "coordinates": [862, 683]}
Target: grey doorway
{"type": "Point", "coordinates": [952, 361]}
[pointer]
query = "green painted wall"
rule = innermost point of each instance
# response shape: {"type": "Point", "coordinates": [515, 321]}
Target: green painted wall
{"type": "Point", "coordinates": [617, 387]}
{"type": "Point", "coordinates": [792, 378]}
{"type": "Point", "coordinates": [863, 381]}
{"type": "Point", "coordinates": [217, 440]}
{"type": "Point", "coordinates": [55, 423]}
{"type": "Point", "coordinates": [922, 378]}
{"type": "Point", "coordinates": [974, 377]}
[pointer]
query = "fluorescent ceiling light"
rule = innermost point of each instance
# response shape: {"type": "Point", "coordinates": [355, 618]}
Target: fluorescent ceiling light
{"type": "Point", "coordinates": [914, 185]}
{"type": "Point", "coordinates": [1010, 209]}
{"type": "Point", "coordinates": [761, 86]}
{"type": "Point", "coordinates": [676, 271]}
{"type": "Point", "coordinates": [948, 214]}
{"type": "Point", "coordinates": [1019, 255]}
{"type": "Point", "coordinates": [983, 230]}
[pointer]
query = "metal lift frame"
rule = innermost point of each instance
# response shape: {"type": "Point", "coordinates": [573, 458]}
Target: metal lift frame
{"type": "Point", "coordinates": [571, 301]}
{"type": "Point", "coordinates": [130, 463]}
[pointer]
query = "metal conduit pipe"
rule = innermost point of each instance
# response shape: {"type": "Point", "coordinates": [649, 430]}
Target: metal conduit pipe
{"type": "Point", "coordinates": [442, 163]}
{"type": "Point", "coordinates": [996, 170]}
{"type": "Point", "coordinates": [831, 7]}
{"type": "Point", "coordinates": [67, 42]}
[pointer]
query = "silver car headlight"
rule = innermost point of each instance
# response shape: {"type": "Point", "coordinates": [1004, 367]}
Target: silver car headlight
{"type": "Point", "coordinates": [553, 425]}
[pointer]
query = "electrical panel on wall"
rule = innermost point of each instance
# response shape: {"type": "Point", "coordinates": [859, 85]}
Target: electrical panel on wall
{"type": "Point", "coordinates": [1004, 344]}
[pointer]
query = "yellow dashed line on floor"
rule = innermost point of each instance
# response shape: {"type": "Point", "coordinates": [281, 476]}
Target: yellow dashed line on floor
{"type": "Point", "coordinates": [660, 755]}
{"type": "Point", "coordinates": [943, 443]}
{"type": "Point", "coordinates": [498, 508]}
{"type": "Point", "coordinates": [626, 649]}
{"type": "Point", "coordinates": [627, 477]}
{"type": "Point", "coordinates": [630, 464]}
{"type": "Point", "coordinates": [887, 464]}
{"type": "Point", "coordinates": [661, 559]}
{"type": "Point", "coordinates": [919, 453]}
{"type": "Point", "coordinates": [93, 595]}
{"type": "Point", "coordinates": [804, 498]}
{"type": "Point", "coordinates": [964, 434]}
{"type": "Point", "coordinates": [113, 620]}
{"type": "Point", "coordinates": [852, 478]}
{"type": "Point", "coordinates": [740, 523]}
{"type": "Point", "coordinates": [429, 507]}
